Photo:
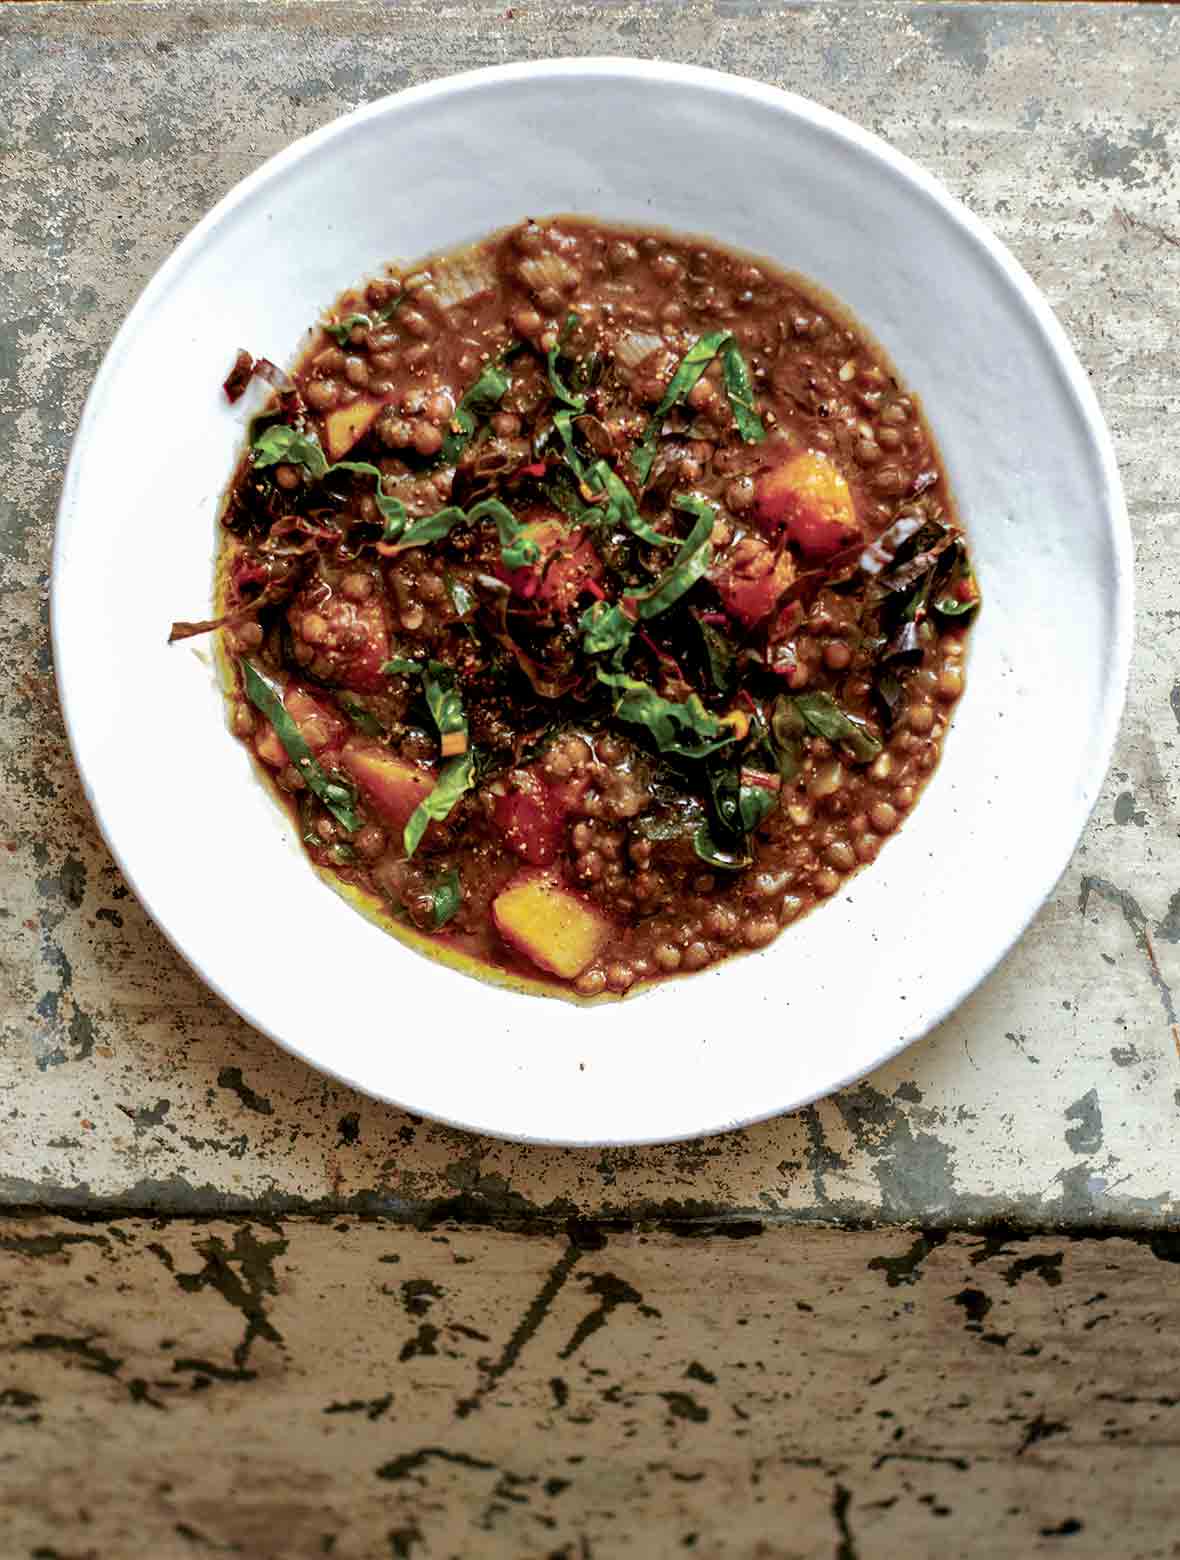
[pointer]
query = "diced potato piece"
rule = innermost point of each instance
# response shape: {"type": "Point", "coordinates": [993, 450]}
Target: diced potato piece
{"type": "Point", "coordinates": [809, 496]}
{"type": "Point", "coordinates": [347, 424]}
{"type": "Point", "coordinates": [393, 787]}
{"type": "Point", "coordinates": [558, 931]}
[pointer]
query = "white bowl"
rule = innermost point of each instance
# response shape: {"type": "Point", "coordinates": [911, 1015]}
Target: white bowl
{"type": "Point", "coordinates": [217, 865]}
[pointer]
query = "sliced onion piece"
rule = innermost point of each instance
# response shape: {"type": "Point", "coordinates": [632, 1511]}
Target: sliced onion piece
{"type": "Point", "coordinates": [631, 349]}
{"type": "Point", "coordinates": [461, 277]}
{"type": "Point", "coordinates": [544, 271]}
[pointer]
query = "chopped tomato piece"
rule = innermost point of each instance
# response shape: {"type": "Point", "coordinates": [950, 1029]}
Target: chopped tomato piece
{"type": "Point", "coordinates": [568, 564]}
{"type": "Point", "coordinates": [533, 820]}
{"type": "Point", "coordinates": [750, 578]}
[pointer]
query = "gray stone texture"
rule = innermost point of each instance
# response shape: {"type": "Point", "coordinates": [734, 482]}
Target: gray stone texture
{"type": "Point", "coordinates": [1051, 1097]}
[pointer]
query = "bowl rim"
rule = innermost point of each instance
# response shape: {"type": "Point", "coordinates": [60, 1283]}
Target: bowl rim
{"type": "Point", "coordinates": [867, 142]}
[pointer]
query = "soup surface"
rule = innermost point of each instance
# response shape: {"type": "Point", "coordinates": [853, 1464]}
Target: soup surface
{"type": "Point", "coordinates": [594, 597]}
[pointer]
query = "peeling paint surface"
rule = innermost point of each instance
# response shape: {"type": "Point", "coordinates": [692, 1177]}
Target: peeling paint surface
{"type": "Point", "coordinates": [358, 1389]}
{"type": "Point", "coordinates": [1052, 1097]}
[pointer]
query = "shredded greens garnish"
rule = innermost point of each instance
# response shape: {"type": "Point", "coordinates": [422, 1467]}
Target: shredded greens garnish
{"type": "Point", "coordinates": [338, 797]}
{"type": "Point", "coordinates": [738, 805]}
{"type": "Point", "coordinates": [620, 508]}
{"type": "Point", "coordinates": [516, 550]}
{"type": "Point", "coordinates": [718, 654]}
{"type": "Point", "coordinates": [340, 330]}
{"type": "Point", "coordinates": [392, 510]}
{"type": "Point", "coordinates": [689, 564]}
{"type": "Point", "coordinates": [692, 365]}
{"type": "Point", "coordinates": [281, 444]}
{"type": "Point", "coordinates": [446, 895]}
{"type": "Point", "coordinates": [544, 590]}
{"type": "Point", "coordinates": [599, 481]}
{"type": "Point", "coordinates": [738, 387]}
{"type": "Point", "coordinates": [609, 628]}
{"type": "Point", "coordinates": [605, 628]}
{"type": "Point", "coordinates": [563, 422]}
{"type": "Point", "coordinates": [446, 706]}
{"type": "Point", "coordinates": [479, 401]}
{"type": "Point", "coordinates": [823, 716]}
{"type": "Point", "coordinates": [672, 724]}
{"type": "Point", "coordinates": [456, 777]}
{"type": "Point", "coordinates": [566, 396]}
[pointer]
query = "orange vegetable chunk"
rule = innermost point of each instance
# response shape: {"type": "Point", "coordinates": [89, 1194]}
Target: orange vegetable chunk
{"type": "Point", "coordinates": [347, 424]}
{"type": "Point", "coordinates": [555, 928]}
{"type": "Point", "coordinates": [810, 497]}
{"type": "Point", "coordinates": [392, 787]}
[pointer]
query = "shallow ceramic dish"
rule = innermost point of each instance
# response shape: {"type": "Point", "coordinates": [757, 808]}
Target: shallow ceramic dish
{"type": "Point", "coordinates": [214, 860]}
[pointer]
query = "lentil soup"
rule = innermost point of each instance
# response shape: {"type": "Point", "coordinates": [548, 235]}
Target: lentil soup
{"type": "Point", "coordinates": [595, 599]}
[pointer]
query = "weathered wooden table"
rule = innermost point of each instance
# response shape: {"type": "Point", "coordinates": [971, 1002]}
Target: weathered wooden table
{"type": "Point", "coordinates": [244, 1310]}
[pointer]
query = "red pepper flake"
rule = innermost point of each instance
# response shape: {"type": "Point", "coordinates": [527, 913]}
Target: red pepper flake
{"type": "Point", "coordinates": [965, 590]}
{"type": "Point", "coordinates": [536, 469]}
{"type": "Point", "coordinates": [714, 619]}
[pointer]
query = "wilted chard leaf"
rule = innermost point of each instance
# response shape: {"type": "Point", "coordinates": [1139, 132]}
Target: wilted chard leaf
{"type": "Point", "coordinates": [823, 716]}
{"type": "Point", "coordinates": [337, 796]}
